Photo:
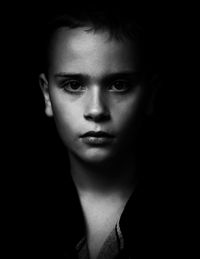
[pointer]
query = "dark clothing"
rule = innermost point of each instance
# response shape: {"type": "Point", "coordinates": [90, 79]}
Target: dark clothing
{"type": "Point", "coordinates": [145, 225]}
{"type": "Point", "coordinates": [50, 223]}
{"type": "Point", "coordinates": [112, 247]}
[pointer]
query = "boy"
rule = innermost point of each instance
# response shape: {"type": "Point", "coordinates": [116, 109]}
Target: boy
{"type": "Point", "coordinates": [97, 89]}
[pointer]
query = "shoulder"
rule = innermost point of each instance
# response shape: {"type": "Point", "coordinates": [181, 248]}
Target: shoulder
{"type": "Point", "coordinates": [147, 224]}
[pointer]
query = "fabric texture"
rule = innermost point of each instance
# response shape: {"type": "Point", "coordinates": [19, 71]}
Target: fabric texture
{"type": "Point", "coordinates": [112, 247]}
{"type": "Point", "coordinates": [146, 224]}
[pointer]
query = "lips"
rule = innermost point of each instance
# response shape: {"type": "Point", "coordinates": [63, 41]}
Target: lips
{"type": "Point", "coordinates": [97, 138]}
{"type": "Point", "coordinates": [97, 134]}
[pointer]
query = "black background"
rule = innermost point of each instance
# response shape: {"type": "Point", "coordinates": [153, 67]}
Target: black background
{"type": "Point", "coordinates": [33, 163]}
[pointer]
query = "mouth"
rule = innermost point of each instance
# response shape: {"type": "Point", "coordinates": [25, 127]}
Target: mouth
{"type": "Point", "coordinates": [97, 134]}
{"type": "Point", "coordinates": [97, 138]}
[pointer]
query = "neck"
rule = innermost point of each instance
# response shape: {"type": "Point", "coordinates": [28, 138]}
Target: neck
{"type": "Point", "coordinates": [103, 190]}
{"type": "Point", "coordinates": [102, 179]}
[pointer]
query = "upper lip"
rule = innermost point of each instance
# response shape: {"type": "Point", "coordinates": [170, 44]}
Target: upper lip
{"type": "Point", "coordinates": [97, 134]}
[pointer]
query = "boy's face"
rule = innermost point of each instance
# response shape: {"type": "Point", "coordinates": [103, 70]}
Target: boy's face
{"type": "Point", "coordinates": [93, 84]}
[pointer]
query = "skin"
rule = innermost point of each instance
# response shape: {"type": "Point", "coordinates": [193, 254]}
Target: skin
{"type": "Point", "coordinates": [96, 105]}
{"type": "Point", "coordinates": [93, 84]}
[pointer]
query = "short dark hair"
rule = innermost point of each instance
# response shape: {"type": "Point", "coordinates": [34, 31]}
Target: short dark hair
{"type": "Point", "coordinates": [120, 23]}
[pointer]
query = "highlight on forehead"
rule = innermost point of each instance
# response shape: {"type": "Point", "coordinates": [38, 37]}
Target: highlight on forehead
{"type": "Point", "coordinates": [69, 45]}
{"type": "Point", "coordinates": [76, 41]}
{"type": "Point", "coordinates": [116, 25]}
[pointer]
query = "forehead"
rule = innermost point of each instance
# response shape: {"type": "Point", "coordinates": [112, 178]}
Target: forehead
{"type": "Point", "coordinates": [81, 51]}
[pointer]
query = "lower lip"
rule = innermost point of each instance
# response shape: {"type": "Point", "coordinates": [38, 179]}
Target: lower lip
{"type": "Point", "coordinates": [97, 141]}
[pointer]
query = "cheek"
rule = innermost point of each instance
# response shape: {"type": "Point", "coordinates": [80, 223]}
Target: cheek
{"type": "Point", "coordinates": [66, 117]}
{"type": "Point", "coordinates": [127, 112]}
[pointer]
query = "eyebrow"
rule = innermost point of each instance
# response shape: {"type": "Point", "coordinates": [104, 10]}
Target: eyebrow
{"type": "Point", "coordinates": [105, 77]}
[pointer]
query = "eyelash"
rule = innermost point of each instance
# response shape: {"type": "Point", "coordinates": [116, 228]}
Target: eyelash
{"type": "Point", "coordinates": [67, 84]}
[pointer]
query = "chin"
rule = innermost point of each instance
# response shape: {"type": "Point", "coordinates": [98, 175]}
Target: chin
{"type": "Point", "coordinates": [97, 156]}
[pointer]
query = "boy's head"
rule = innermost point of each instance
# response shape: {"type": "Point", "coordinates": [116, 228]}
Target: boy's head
{"type": "Point", "coordinates": [94, 83]}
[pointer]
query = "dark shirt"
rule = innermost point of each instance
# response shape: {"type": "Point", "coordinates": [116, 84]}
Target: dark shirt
{"type": "Point", "coordinates": [53, 225]}
{"type": "Point", "coordinates": [145, 225]}
{"type": "Point", "coordinates": [112, 247]}
{"type": "Point", "coordinates": [52, 222]}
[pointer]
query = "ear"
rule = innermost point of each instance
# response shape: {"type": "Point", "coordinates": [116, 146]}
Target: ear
{"type": "Point", "coordinates": [44, 85]}
{"type": "Point", "coordinates": [154, 85]}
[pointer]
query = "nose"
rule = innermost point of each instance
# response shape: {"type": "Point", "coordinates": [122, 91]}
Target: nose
{"type": "Point", "coordinates": [96, 108]}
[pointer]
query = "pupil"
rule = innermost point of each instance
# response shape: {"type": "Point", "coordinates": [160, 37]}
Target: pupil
{"type": "Point", "coordinates": [74, 85]}
{"type": "Point", "coordinates": [119, 85]}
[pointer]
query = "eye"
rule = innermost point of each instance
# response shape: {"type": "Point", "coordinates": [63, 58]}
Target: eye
{"type": "Point", "coordinates": [119, 86]}
{"type": "Point", "coordinates": [73, 86]}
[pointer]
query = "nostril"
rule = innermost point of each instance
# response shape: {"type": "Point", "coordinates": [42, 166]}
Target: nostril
{"type": "Point", "coordinates": [97, 117]}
